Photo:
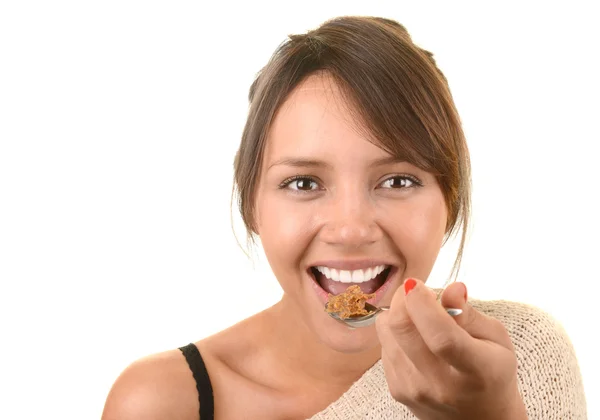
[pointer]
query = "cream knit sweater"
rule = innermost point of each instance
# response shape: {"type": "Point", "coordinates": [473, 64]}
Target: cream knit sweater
{"type": "Point", "coordinates": [548, 372]}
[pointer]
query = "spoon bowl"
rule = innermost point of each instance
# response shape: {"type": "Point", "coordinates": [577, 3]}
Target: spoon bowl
{"type": "Point", "coordinates": [371, 317]}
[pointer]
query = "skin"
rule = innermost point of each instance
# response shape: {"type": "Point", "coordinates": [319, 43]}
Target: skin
{"type": "Point", "coordinates": [358, 206]}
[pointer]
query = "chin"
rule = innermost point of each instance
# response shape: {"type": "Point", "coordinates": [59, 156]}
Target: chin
{"type": "Point", "coordinates": [342, 339]}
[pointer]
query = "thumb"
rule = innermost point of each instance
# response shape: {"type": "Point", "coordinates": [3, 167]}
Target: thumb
{"type": "Point", "coordinates": [477, 324]}
{"type": "Point", "coordinates": [455, 296]}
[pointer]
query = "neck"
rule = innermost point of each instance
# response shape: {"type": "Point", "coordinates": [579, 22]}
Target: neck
{"type": "Point", "coordinates": [305, 357]}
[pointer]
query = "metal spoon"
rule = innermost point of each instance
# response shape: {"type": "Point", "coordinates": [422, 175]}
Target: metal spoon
{"type": "Point", "coordinates": [366, 320]}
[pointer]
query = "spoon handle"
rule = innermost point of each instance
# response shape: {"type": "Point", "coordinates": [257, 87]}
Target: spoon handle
{"type": "Point", "coordinates": [451, 311]}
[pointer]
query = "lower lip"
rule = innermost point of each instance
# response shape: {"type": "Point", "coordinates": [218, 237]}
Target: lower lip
{"type": "Point", "coordinates": [324, 296]}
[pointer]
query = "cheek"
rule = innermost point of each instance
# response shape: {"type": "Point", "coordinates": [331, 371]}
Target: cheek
{"type": "Point", "coordinates": [285, 229]}
{"type": "Point", "coordinates": [421, 232]}
{"type": "Point", "coordinates": [430, 223]}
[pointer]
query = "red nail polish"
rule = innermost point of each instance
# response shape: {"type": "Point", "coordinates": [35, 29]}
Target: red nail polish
{"type": "Point", "coordinates": [409, 284]}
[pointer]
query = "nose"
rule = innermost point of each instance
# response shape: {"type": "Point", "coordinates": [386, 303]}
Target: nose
{"type": "Point", "coordinates": [350, 221]}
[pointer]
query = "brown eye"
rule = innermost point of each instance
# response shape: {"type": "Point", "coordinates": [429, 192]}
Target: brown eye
{"type": "Point", "coordinates": [399, 181]}
{"type": "Point", "coordinates": [302, 184]}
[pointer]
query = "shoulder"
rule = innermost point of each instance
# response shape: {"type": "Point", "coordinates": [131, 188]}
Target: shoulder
{"type": "Point", "coordinates": [528, 325]}
{"type": "Point", "coordinates": [536, 335]}
{"type": "Point", "coordinates": [159, 386]}
{"type": "Point", "coordinates": [548, 370]}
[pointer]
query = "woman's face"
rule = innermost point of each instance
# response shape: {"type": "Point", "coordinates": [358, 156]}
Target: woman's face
{"type": "Point", "coordinates": [333, 209]}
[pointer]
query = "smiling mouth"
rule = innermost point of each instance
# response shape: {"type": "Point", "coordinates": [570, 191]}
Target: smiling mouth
{"type": "Point", "coordinates": [336, 281]}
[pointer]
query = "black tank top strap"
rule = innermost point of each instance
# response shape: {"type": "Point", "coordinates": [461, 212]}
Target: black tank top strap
{"type": "Point", "coordinates": [205, 391]}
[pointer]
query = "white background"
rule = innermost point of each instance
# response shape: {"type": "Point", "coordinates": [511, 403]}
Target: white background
{"type": "Point", "coordinates": [119, 121]}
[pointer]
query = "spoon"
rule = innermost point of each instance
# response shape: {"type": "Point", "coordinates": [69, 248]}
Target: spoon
{"type": "Point", "coordinates": [366, 320]}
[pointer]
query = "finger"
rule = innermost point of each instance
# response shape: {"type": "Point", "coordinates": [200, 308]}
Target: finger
{"type": "Point", "coordinates": [399, 323]}
{"type": "Point", "coordinates": [400, 371]}
{"type": "Point", "coordinates": [401, 381]}
{"type": "Point", "coordinates": [390, 345]}
{"type": "Point", "coordinates": [440, 332]}
{"type": "Point", "coordinates": [477, 324]}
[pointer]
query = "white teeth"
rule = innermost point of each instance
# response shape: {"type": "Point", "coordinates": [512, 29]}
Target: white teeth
{"type": "Point", "coordinates": [358, 276]}
{"type": "Point", "coordinates": [354, 276]}
{"type": "Point", "coordinates": [345, 276]}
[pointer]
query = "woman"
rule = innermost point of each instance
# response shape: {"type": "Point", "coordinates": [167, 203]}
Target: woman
{"type": "Point", "coordinates": [353, 169]}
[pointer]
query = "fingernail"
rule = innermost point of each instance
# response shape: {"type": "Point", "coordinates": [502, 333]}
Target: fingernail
{"type": "Point", "coordinates": [466, 294]}
{"type": "Point", "coordinates": [409, 284]}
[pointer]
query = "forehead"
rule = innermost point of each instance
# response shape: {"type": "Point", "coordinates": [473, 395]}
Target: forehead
{"type": "Point", "coordinates": [317, 118]}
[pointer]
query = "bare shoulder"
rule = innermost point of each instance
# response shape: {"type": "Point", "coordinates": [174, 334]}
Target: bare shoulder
{"type": "Point", "coordinates": [548, 370]}
{"type": "Point", "coordinates": [159, 386]}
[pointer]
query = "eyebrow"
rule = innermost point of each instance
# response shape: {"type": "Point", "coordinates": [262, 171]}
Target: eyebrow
{"type": "Point", "coordinates": [388, 160]}
{"type": "Point", "coordinates": [315, 163]}
{"type": "Point", "coordinates": [300, 163]}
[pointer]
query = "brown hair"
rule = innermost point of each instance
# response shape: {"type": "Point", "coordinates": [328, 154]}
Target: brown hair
{"type": "Point", "coordinates": [398, 93]}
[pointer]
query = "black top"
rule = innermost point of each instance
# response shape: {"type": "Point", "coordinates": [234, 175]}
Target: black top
{"type": "Point", "coordinates": [205, 391]}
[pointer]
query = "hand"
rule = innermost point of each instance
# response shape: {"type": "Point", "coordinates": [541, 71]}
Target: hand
{"type": "Point", "coordinates": [442, 367]}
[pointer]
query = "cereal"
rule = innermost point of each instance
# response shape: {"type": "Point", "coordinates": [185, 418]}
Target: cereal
{"type": "Point", "coordinates": [349, 304]}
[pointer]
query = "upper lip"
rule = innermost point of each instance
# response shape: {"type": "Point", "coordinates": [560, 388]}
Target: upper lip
{"type": "Point", "coordinates": [350, 264]}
